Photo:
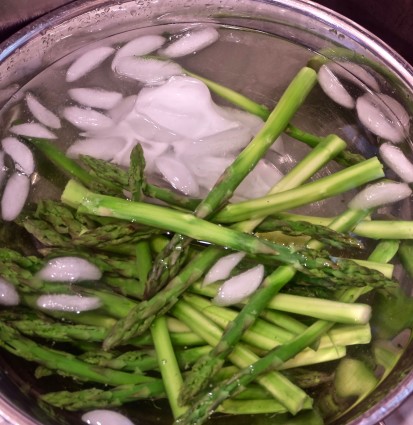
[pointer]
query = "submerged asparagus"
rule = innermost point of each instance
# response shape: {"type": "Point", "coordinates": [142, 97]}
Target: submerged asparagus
{"type": "Point", "coordinates": [135, 318]}
{"type": "Point", "coordinates": [371, 228]}
{"type": "Point", "coordinates": [280, 387]}
{"type": "Point", "coordinates": [205, 404]}
{"type": "Point", "coordinates": [302, 228]}
{"type": "Point", "coordinates": [26, 348]}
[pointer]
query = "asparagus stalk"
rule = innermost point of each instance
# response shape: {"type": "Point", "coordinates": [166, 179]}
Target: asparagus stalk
{"type": "Point", "coordinates": [323, 234]}
{"type": "Point", "coordinates": [179, 339]}
{"type": "Point", "coordinates": [94, 398]}
{"type": "Point", "coordinates": [166, 219]}
{"type": "Point", "coordinates": [340, 312]}
{"type": "Point", "coordinates": [284, 320]}
{"type": "Point", "coordinates": [293, 97]}
{"type": "Point", "coordinates": [385, 251]}
{"type": "Point", "coordinates": [170, 197]}
{"type": "Point", "coordinates": [303, 377]}
{"type": "Point", "coordinates": [373, 229]}
{"type": "Point", "coordinates": [63, 362]}
{"type": "Point", "coordinates": [254, 407]}
{"type": "Point", "coordinates": [53, 153]}
{"type": "Point", "coordinates": [168, 365]}
{"type": "Point", "coordinates": [81, 230]}
{"type": "Point", "coordinates": [234, 97]}
{"type": "Point", "coordinates": [266, 336]}
{"type": "Point", "coordinates": [345, 158]}
{"type": "Point", "coordinates": [304, 170]}
{"type": "Point", "coordinates": [59, 331]}
{"type": "Point", "coordinates": [323, 188]}
{"type": "Point", "coordinates": [142, 360]}
{"type": "Point", "coordinates": [286, 107]}
{"type": "Point", "coordinates": [405, 253]}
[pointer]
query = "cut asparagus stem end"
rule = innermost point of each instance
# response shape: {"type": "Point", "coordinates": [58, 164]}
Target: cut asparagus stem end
{"type": "Point", "coordinates": [74, 194]}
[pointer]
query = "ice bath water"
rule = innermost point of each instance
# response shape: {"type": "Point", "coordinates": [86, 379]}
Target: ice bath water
{"type": "Point", "coordinates": [233, 61]}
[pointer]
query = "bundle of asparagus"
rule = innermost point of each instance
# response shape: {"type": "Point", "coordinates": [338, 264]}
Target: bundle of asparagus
{"type": "Point", "coordinates": [154, 333]}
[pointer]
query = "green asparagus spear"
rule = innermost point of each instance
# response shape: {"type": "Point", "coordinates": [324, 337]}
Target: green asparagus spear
{"type": "Point", "coordinates": [323, 234]}
{"type": "Point", "coordinates": [59, 331]}
{"type": "Point", "coordinates": [322, 188]}
{"type": "Point", "coordinates": [53, 153]}
{"type": "Point", "coordinates": [63, 362]}
{"type": "Point", "coordinates": [56, 225]}
{"type": "Point", "coordinates": [373, 229]}
{"type": "Point", "coordinates": [168, 365]}
{"type": "Point", "coordinates": [356, 313]}
{"type": "Point", "coordinates": [142, 360]}
{"type": "Point", "coordinates": [94, 398]}
{"type": "Point", "coordinates": [345, 158]}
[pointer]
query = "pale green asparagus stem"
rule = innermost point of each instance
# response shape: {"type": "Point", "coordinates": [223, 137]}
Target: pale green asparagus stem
{"type": "Point", "coordinates": [312, 307]}
{"type": "Point", "coordinates": [373, 229]}
{"type": "Point", "coordinates": [323, 188]}
{"type": "Point", "coordinates": [168, 365]}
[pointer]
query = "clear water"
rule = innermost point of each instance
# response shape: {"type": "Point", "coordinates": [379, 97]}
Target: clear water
{"type": "Point", "coordinates": [256, 64]}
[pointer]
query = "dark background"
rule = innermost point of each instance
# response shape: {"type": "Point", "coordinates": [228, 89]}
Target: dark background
{"type": "Point", "coordinates": [390, 20]}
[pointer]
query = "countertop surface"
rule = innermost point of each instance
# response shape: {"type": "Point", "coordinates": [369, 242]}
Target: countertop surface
{"type": "Point", "coordinates": [390, 20]}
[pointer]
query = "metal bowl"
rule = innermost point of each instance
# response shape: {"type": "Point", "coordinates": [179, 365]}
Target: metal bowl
{"type": "Point", "coordinates": [308, 25]}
